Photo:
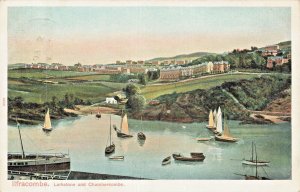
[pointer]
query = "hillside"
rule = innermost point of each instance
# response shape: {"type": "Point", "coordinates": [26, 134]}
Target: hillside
{"type": "Point", "coordinates": [286, 45]}
{"type": "Point", "coordinates": [255, 94]}
{"type": "Point", "coordinates": [191, 56]}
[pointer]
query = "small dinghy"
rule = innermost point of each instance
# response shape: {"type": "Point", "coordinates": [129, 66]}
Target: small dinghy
{"type": "Point", "coordinates": [119, 158]}
{"type": "Point", "coordinates": [166, 160]}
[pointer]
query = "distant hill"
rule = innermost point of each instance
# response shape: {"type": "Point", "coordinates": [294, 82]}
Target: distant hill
{"type": "Point", "coordinates": [286, 45]}
{"type": "Point", "coordinates": [16, 65]}
{"type": "Point", "coordinates": [191, 56]}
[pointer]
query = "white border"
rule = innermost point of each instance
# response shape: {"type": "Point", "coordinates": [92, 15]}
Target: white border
{"type": "Point", "coordinates": [292, 185]}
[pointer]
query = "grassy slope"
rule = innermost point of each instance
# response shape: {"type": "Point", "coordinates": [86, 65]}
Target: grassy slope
{"type": "Point", "coordinates": [195, 105]}
{"type": "Point", "coordinates": [153, 91]}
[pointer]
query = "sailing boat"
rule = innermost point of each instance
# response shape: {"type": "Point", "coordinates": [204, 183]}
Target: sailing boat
{"type": "Point", "coordinates": [219, 126]}
{"type": "Point", "coordinates": [123, 132]}
{"type": "Point", "coordinates": [38, 163]}
{"type": "Point", "coordinates": [111, 148]}
{"type": "Point", "coordinates": [225, 136]}
{"type": "Point", "coordinates": [211, 124]}
{"type": "Point", "coordinates": [254, 162]}
{"type": "Point", "coordinates": [98, 115]}
{"type": "Point", "coordinates": [141, 135]}
{"type": "Point", "coordinates": [47, 123]}
{"type": "Point", "coordinates": [255, 177]}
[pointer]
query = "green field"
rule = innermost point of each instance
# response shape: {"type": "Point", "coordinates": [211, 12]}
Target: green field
{"type": "Point", "coordinates": [91, 78]}
{"type": "Point", "coordinates": [36, 91]}
{"type": "Point", "coordinates": [44, 74]}
{"type": "Point", "coordinates": [153, 91]}
{"type": "Point", "coordinates": [39, 92]}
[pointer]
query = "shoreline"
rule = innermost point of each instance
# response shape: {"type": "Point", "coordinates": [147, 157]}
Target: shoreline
{"type": "Point", "coordinates": [254, 118]}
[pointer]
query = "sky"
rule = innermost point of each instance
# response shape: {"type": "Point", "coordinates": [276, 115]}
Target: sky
{"type": "Point", "coordinates": [101, 35]}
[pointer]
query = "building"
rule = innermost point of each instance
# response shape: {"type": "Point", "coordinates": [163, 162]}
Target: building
{"type": "Point", "coordinates": [118, 62]}
{"type": "Point", "coordinates": [170, 74]}
{"type": "Point", "coordinates": [155, 63]}
{"type": "Point", "coordinates": [271, 47]}
{"type": "Point", "coordinates": [140, 62]}
{"type": "Point", "coordinates": [111, 100]}
{"type": "Point", "coordinates": [128, 62]}
{"type": "Point", "coordinates": [186, 71]}
{"type": "Point", "coordinates": [180, 62]}
{"type": "Point", "coordinates": [221, 66]}
{"type": "Point", "coordinates": [166, 62]}
{"type": "Point", "coordinates": [276, 60]}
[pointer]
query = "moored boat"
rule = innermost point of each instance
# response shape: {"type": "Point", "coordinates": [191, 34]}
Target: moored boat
{"type": "Point", "coordinates": [211, 124]}
{"type": "Point", "coordinates": [141, 135]}
{"type": "Point", "coordinates": [253, 161]}
{"type": "Point", "coordinates": [47, 122]}
{"type": "Point", "coordinates": [204, 139]}
{"type": "Point", "coordinates": [119, 157]}
{"type": "Point", "coordinates": [223, 135]}
{"type": "Point", "coordinates": [36, 162]}
{"type": "Point", "coordinates": [123, 132]}
{"type": "Point", "coordinates": [256, 176]}
{"type": "Point", "coordinates": [111, 148]}
{"type": "Point", "coordinates": [98, 115]}
{"type": "Point", "coordinates": [180, 157]}
{"type": "Point", "coordinates": [166, 160]}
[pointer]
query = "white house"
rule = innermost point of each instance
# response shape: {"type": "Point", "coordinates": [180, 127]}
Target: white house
{"type": "Point", "coordinates": [111, 100]}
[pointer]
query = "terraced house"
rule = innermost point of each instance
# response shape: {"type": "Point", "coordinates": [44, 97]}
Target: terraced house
{"type": "Point", "coordinates": [174, 73]}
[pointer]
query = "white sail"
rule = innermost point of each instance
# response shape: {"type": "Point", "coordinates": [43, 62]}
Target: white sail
{"type": "Point", "coordinates": [226, 130]}
{"type": "Point", "coordinates": [215, 118]}
{"type": "Point", "coordinates": [211, 119]}
{"type": "Point", "coordinates": [47, 122]}
{"type": "Point", "coordinates": [219, 121]}
{"type": "Point", "coordinates": [124, 124]}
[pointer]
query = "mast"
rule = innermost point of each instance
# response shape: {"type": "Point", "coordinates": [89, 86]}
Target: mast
{"type": "Point", "coordinates": [109, 130]}
{"type": "Point", "coordinates": [256, 163]}
{"type": "Point", "coordinates": [252, 152]}
{"type": "Point", "coordinates": [23, 153]}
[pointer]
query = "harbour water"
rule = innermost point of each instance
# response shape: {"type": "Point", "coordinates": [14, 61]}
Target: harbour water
{"type": "Point", "coordinates": [85, 139]}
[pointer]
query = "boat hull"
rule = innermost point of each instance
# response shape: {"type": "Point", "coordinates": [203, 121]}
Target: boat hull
{"type": "Point", "coordinates": [120, 158]}
{"type": "Point", "coordinates": [123, 135]}
{"type": "Point", "coordinates": [193, 158]}
{"type": "Point", "coordinates": [259, 163]}
{"type": "Point", "coordinates": [249, 177]}
{"type": "Point", "coordinates": [141, 136]}
{"type": "Point", "coordinates": [47, 129]}
{"type": "Point", "coordinates": [38, 163]}
{"type": "Point", "coordinates": [110, 149]}
{"type": "Point", "coordinates": [203, 139]}
{"type": "Point", "coordinates": [225, 139]}
{"type": "Point", "coordinates": [166, 161]}
{"type": "Point", "coordinates": [210, 127]}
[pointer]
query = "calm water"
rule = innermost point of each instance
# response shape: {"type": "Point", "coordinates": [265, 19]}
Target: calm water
{"type": "Point", "coordinates": [85, 138]}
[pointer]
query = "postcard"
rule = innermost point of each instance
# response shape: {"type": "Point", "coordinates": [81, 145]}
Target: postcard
{"type": "Point", "coordinates": [140, 96]}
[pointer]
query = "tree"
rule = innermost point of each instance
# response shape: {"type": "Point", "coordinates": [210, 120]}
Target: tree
{"type": "Point", "coordinates": [131, 89]}
{"type": "Point", "coordinates": [136, 103]}
{"type": "Point", "coordinates": [142, 79]}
